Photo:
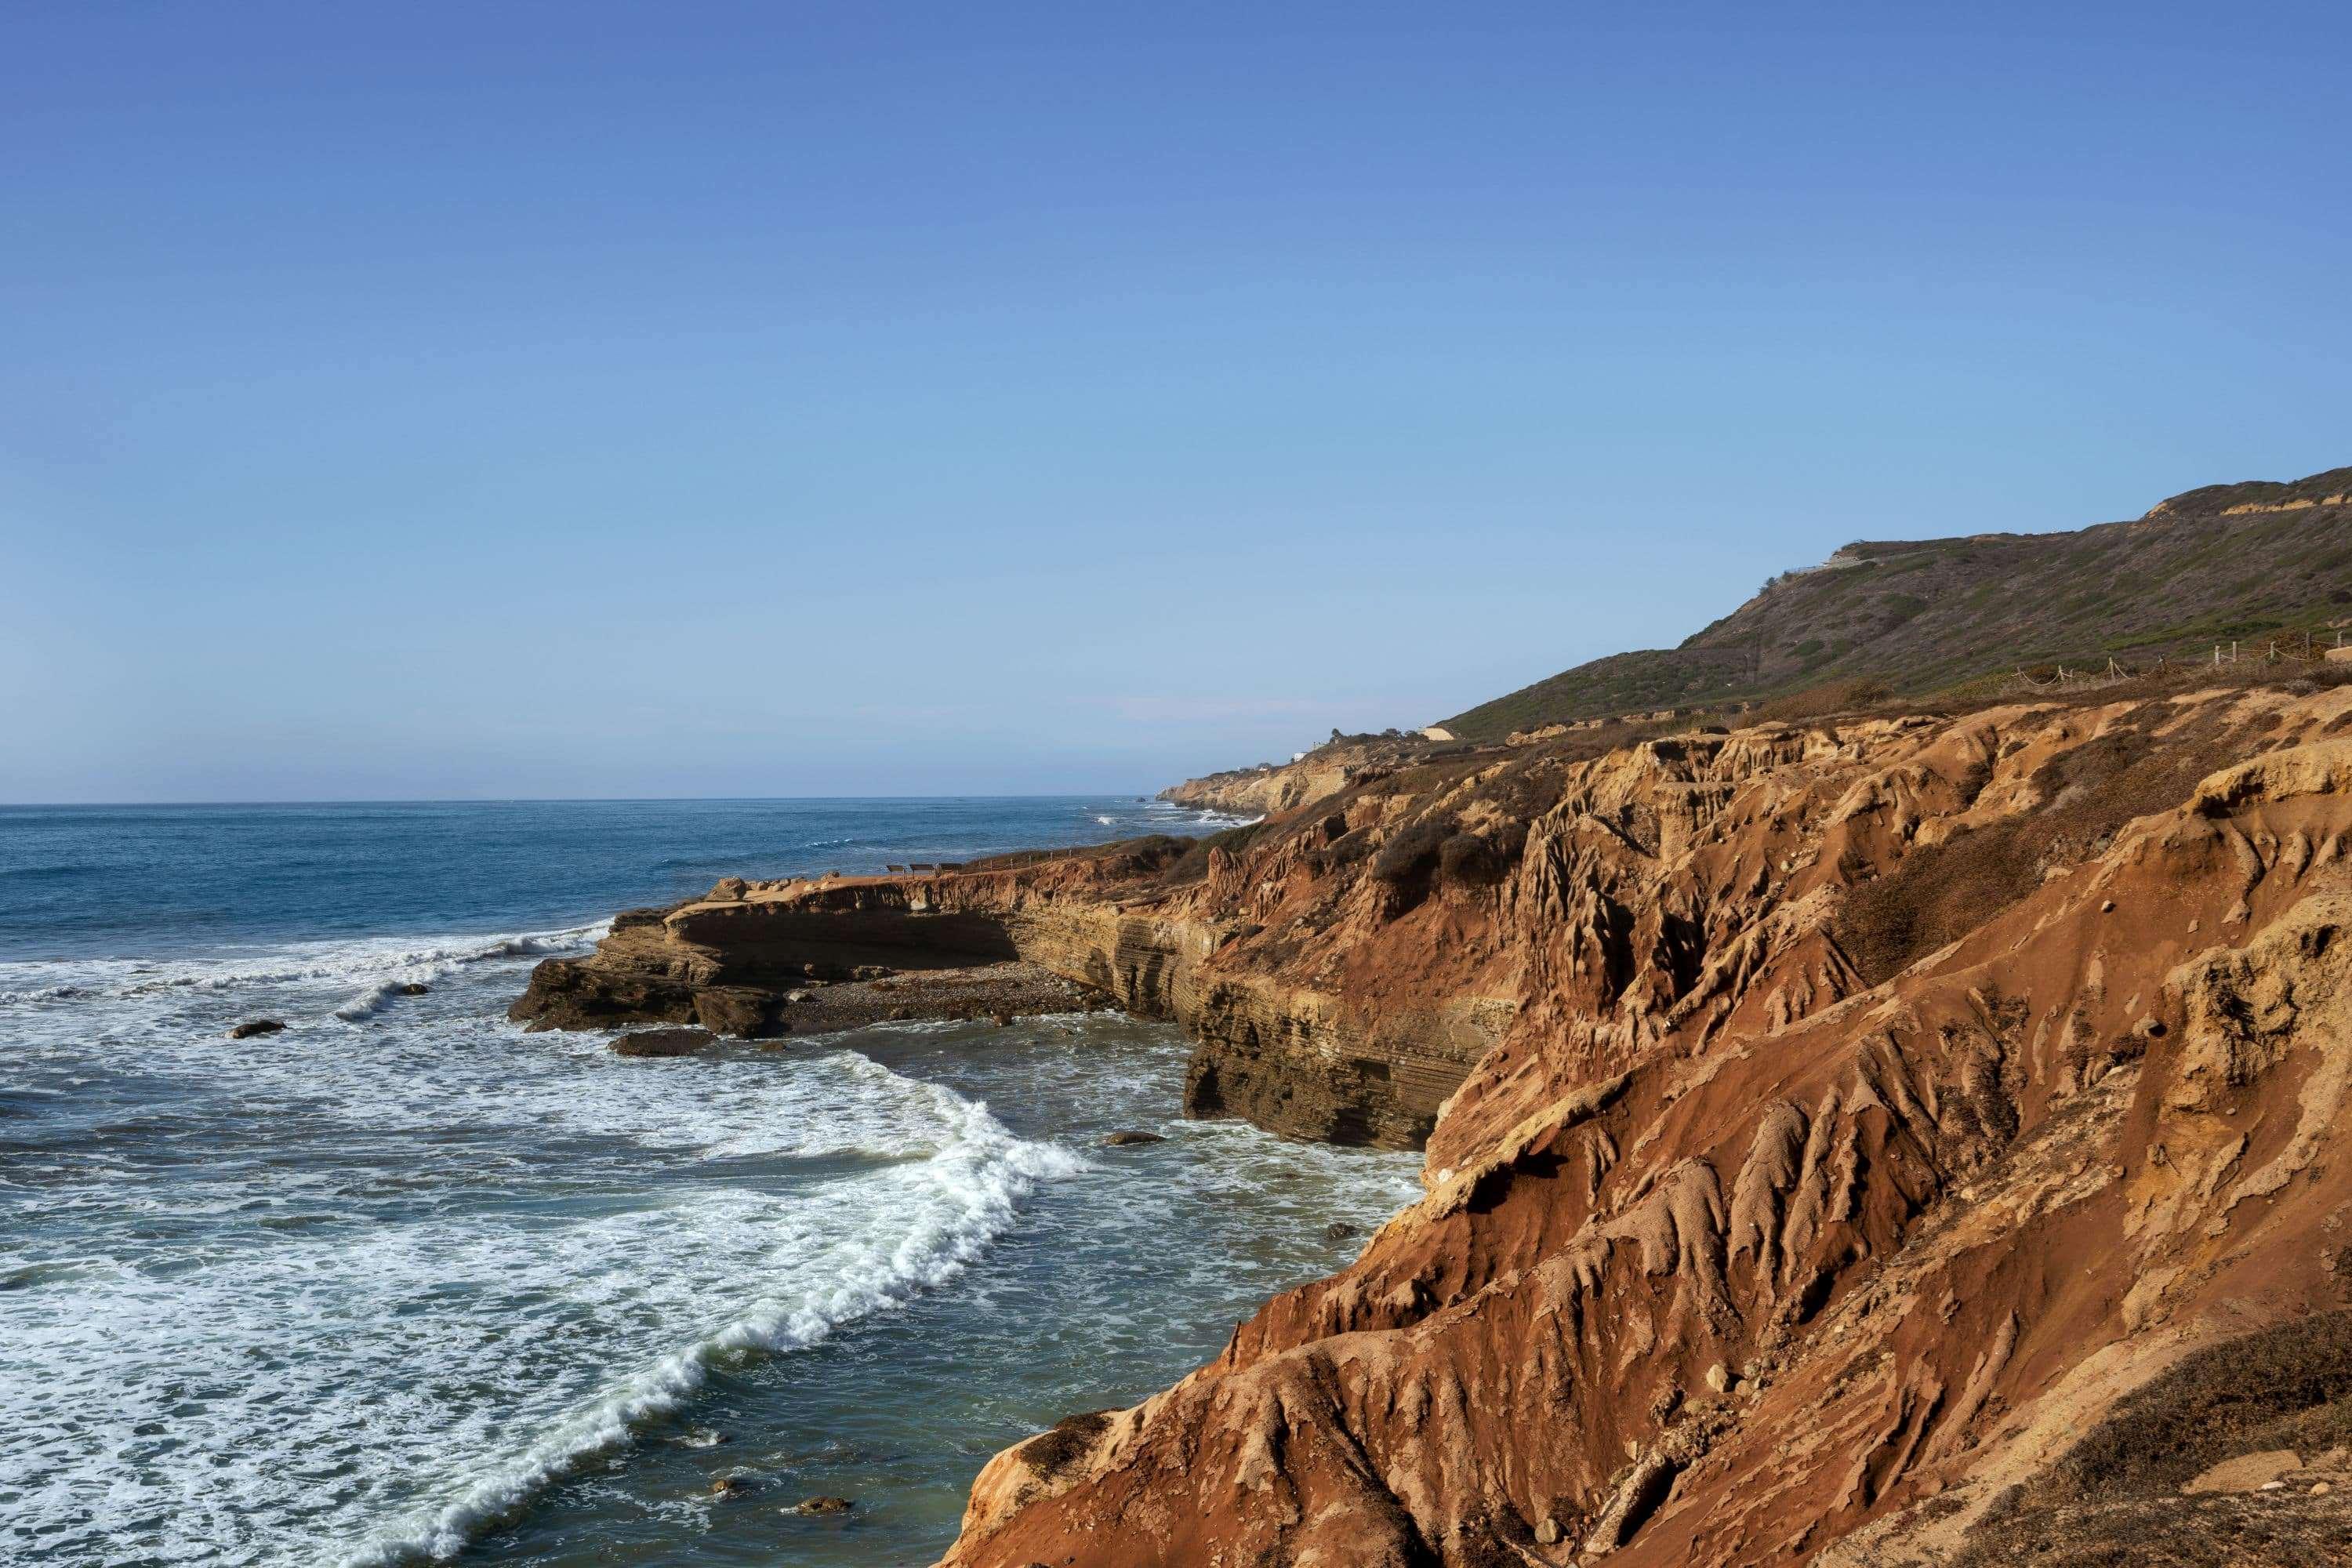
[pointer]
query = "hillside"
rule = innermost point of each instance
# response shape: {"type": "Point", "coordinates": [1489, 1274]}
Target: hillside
{"type": "Point", "coordinates": [2244, 561]}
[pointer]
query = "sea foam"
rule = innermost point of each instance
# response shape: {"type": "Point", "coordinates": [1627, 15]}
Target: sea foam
{"type": "Point", "coordinates": [386, 1296]}
{"type": "Point", "coordinates": [926, 1226]}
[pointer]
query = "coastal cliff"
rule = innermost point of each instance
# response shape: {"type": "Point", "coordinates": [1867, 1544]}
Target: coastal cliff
{"type": "Point", "coordinates": [1156, 927]}
{"type": "Point", "coordinates": [1270, 789]}
{"type": "Point", "coordinates": [1833, 1128]}
{"type": "Point", "coordinates": [1897, 1112]}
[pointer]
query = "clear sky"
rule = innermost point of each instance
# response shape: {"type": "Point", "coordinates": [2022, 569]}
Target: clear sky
{"type": "Point", "coordinates": [583, 398]}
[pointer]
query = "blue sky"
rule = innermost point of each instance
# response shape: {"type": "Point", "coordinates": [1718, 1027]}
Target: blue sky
{"type": "Point", "coordinates": [600, 399]}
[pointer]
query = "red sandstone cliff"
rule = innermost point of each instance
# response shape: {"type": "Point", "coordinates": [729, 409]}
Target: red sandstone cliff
{"type": "Point", "coordinates": [1834, 1133]}
{"type": "Point", "coordinates": [1732, 1256]}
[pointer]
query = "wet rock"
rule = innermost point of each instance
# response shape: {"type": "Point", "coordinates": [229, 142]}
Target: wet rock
{"type": "Point", "coordinates": [663, 1043]}
{"type": "Point", "coordinates": [1004, 1020]}
{"type": "Point", "coordinates": [256, 1026]}
{"type": "Point", "coordinates": [1122, 1140]}
{"type": "Point", "coordinates": [740, 1011]}
{"type": "Point", "coordinates": [733, 1486]}
{"type": "Point", "coordinates": [826, 1505]}
{"type": "Point", "coordinates": [1341, 1230]}
{"type": "Point", "coordinates": [414, 988]}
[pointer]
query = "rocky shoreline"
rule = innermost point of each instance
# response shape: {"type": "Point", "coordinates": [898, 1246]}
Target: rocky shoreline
{"type": "Point", "coordinates": [1110, 926]}
{"type": "Point", "coordinates": [1004, 991]}
{"type": "Point", "coordinates": [1834, 1132]}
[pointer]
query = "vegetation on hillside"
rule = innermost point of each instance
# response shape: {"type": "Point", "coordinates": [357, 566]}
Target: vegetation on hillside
{"type": "Point", "coordinates": [2244, 563]}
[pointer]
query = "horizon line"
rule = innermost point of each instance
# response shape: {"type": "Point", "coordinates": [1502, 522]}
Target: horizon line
{"type": "Point", "coordinates": [559, 800]}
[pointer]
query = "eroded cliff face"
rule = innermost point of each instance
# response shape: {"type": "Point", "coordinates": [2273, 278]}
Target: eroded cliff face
{"type": "Point", "coordinates": [1827, 1125]}
{"type": "Point", "coordinates": [1361, 1053]}
{"type": "Point", "coordinates": [1765, 1233]}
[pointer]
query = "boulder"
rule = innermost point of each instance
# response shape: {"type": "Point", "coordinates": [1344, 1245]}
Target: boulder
{"type": "Point", "coordinates": [741, 1011]}
{"type": "Point", "coordinates": [663, 1043]}
{"type": "Point", "coordinates": [258, 1027]}
{"type": "Point", "coordinates": [1122, 1140]}
{"type": "Point", "coordinates": [732, 1486]}
{"type": "Point", "coordinates": [826, 1505]}
{"type": "Point", "coordinates": [414, 988]}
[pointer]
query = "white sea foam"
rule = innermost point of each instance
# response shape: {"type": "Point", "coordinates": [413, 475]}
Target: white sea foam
{"type": "Point", "coordinates": [399, 958]}
{"type": "Point", "coordinates": [926, 1225]}
{"type": "Point", "coordinates": [376, 1285]}
{"type": "Point", "coordinates": [499, 1256]}
{"type": "Point", "coordinates": [1200, 815]}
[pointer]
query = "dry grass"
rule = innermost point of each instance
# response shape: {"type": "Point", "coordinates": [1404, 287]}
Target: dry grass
{"type": "Point", "coordinates": [1821, 701]}
{"type": "Point", "coordinates": [2115, 1499]}
{"type": "Point", "coordinates": [1051, 1452]}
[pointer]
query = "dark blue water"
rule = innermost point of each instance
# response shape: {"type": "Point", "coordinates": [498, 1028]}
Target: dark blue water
{"type": "Point", "coordinates": [403, 1283]}
{"type": "Point", "coordinates": [120, 881]}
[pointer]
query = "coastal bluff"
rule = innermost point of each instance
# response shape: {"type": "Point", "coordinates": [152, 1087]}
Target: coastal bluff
{"type": "Point", "coordinates": [1920, 1139]}
{"type": "Point", "coordinates": [1116, 925]}
{"type": "Point", "coordinates": [1272, 788]}
{"type": "Point", "coordinates": [1871, 1140]}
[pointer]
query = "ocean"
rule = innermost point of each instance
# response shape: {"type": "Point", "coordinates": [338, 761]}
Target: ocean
{"type": "Point", "coordinates": [404, 1284]}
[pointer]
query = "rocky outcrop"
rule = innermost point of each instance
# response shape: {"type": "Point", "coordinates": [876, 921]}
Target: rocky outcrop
{"type": "Point", "coordinates": [1295, 1056]}
{"type": "Point", "coordinates": [663, 1043]}
{"type": "Point", "coordinates": [1266, 791]}
{"type": "Point", "coordinates": [1736, 1250]}
{"type": "Point", "coordinates": [1271, 789]}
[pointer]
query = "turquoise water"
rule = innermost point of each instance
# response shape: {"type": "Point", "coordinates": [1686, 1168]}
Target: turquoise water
{"type": "Point", "coordinates": [405, 1284]}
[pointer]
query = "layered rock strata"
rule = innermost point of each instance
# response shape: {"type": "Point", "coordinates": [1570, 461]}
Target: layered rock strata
{"type": "Point", "coordinates": [762, 959]}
